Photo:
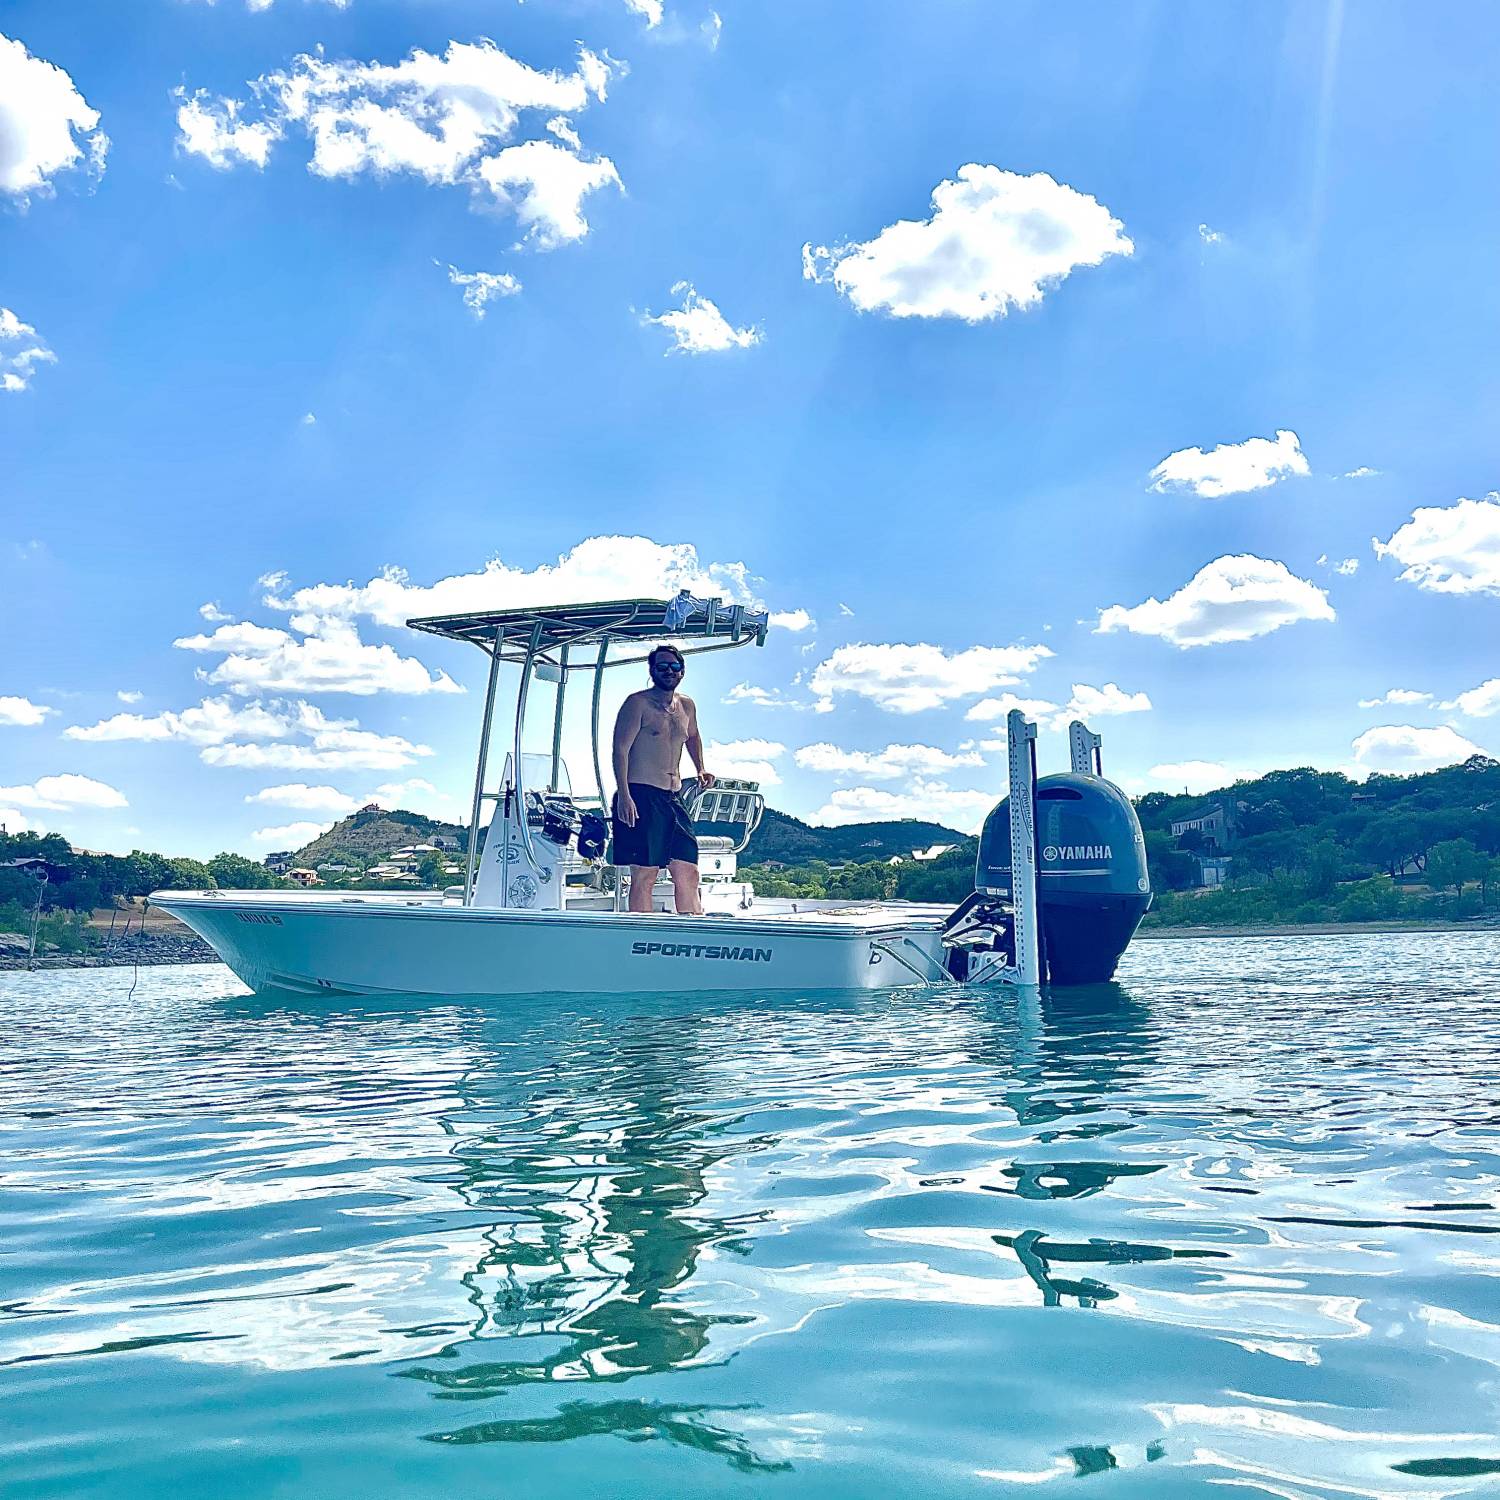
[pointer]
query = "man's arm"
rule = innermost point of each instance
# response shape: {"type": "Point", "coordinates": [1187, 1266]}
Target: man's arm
{"type": "Point", "coordinates": [627, 726]}
{"type": "Point", "coordinates": [695, 744]}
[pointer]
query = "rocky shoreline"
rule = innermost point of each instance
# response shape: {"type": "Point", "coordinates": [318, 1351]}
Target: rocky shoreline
{"type": "Point", "coordinates": [143, 948]}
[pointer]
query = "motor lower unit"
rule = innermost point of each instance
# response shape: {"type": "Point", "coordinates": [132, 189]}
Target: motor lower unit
{"type": "Point", "coordinates": [1092, 884]}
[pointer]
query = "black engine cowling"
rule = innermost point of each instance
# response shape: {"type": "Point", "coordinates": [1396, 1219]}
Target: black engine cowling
{"type": "Point", "coordinates": [1092, 882]}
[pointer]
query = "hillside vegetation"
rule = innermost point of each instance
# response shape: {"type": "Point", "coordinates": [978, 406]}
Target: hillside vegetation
{"type": "Point", "coordinates": [365, 837]}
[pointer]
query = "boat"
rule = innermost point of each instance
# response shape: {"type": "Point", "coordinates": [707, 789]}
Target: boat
{"type": "Point", "coordinates": [541, 910]}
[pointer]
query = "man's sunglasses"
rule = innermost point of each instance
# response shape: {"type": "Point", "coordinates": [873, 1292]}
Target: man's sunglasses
{"type": "Point", "coordinates": [667, 666]}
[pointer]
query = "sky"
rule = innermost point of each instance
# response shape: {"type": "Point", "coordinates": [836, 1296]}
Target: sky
{"type": "Point", "coordinates": [1133, 362]}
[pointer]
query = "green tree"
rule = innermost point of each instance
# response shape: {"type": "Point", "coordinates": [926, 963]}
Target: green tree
{"type": "Point", "coordinates": [1453, 864]}
{"type": "Point", "coordinates": [233, 872]}
{"type": "Point", "coordinates": [1171, 868]}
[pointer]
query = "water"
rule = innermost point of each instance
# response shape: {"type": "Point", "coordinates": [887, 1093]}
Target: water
{"type": "Point", "coordinates": [1230, 1222]}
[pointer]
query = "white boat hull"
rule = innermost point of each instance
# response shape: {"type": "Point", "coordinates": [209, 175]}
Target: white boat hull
{"type": "Point", "coordinates": [341, 946]}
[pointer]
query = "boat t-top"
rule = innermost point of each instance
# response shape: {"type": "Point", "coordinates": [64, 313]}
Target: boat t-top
{"type": "Point", "coordinates": [1060, 880]}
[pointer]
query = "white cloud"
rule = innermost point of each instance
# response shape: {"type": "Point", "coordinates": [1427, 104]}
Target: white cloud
{"type": "Point", "coordinates": [698, 327]}
{"type": "Point", "coordinates": [1452, 549]}
{"type": "Point", "coordinates": [988, 709]}
{"type": "Point", "coordinates": [217, 725]}
{"type": "Point", "coordinates": [336, 745]}
{"type": "Point", "coordinates": [128, 695]}
{"type": "Point", "coordinates": [212, 613]}
{"type": "Point", "coordinates": [330, 658]}
{"type": "Point", "coordinates": [264, 5]}
{"type": "Point", "coordinates": [448, 119]}
{"type": "Point", "coordinates": [13, 820]}
{"type": "Point", "coordinates": [1403, 696]}
{"type": "Point", "coordinates": [46, 125]}
{"type": "Point", "coordinates": [1210, 236]}
{"type": "Point", "coordinates": [744, 692]}
{"type": "Point", "coordinates": [23, 711]}
{"type": "Point", "coordinates": [309, 419]}
{"type": "Point", "coordinates": [909, 678]}
{"type": "Point", "coordinates": [56, 793]}
{"type": "Point", "coordinates": [996, 241]}
{"type": "Point", "coordinates": [1364, 471]}
{"type": "Point", "coordinates": [792, 619]}
{"type": "Point", "coordinates": [303, 798]}
{"type": "Point", "coordinates": [22, 349]}
{"type": "Point", "coordinates": [1349, 566]}
{"type": "Point", "coordinates": [1405, 747]}
{"type": "Point", "coordinates": [1195, 776]}
{"type": "Point", "coordinates": [291, 835]}
{"type": "Point", "coordinates": [1480, 702]}
{"type": "Point", "coordinates": [1229, 599]}
{"type": "Point", "coordinates": [650, 10]}
{"type": "Point", "coordinates": [929, 800]}
{"type": "Point", "coordinates": [211, 722]}
{"type": "Point", "coordinates": [600, 568]}
{"type": "Point", "coordinates": [883, 765]}
{"type": "Point", "coordinates": [749, 760]}
{"type": "Point", "coordinates": [482, 287]}
{"type": "Point", "coordinates": [215, 130]}
{"type": "Point", "coordinates": [1097, 703]}
{"type": "Point", "coordinates": [1231, 468]}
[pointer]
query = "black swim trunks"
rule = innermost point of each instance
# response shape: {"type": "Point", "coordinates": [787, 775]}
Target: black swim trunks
{"type": "Point", "coordinates": [663, 830]}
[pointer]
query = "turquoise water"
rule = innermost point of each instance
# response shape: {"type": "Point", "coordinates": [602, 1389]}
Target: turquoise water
{"type": "Point", "coordinates": [1230, 1222]}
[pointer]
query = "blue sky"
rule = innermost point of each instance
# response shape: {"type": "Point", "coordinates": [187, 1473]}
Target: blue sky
{"type": "Point", "coordinates": [1090, 348]}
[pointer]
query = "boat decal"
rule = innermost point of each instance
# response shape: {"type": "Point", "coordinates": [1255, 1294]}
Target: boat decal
{"type": "Point", "coordinates": [702, 950]}
{"type": "Point", "coordinates": [264, 918]}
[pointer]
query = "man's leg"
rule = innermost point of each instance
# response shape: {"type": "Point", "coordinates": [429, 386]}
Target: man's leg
{"type": "Point", "coordinates": [685, 887]}
{"type": "Point", "coordinates": [642, 878]}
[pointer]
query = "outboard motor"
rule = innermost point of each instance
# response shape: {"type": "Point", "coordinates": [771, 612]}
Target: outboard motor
{"type": "Point", "coordinates": [1093, 886]}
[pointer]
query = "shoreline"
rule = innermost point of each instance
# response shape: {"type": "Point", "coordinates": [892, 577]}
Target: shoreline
{"type": "Point", "coordinates": [1307, 929]}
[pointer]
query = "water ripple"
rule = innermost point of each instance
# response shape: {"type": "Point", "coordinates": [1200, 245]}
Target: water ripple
{"type": "Point", "coordinates": [1226, 1222]}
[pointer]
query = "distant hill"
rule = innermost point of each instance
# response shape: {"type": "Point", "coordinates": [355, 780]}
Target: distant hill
{"type": "Point", "coordinates": [793, 842]}
{"type": "Point", "coordinates": [364, 837]}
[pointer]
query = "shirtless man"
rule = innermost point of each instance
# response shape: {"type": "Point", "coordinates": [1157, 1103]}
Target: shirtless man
{"type": "Point", "coordinates": [651, 826]}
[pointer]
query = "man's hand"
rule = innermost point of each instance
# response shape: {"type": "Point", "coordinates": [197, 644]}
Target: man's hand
{"type": "Point", "coordinates": [705, 780]}
{"type": "Point", "coordinates": [625, 807]}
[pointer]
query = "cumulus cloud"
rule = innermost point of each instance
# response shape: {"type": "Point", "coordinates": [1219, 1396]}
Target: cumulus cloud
{"type": "Point", "coordinates": [698, 327]}
{"type": "Point", "coordinates": [1478, 703]}
{"type": "Point", "coordinates": [1229, 599]}
{"type": "Point", "coordinates": [750, 760]}
{"type": "Point", "coordinates": [989, 709]}
{"type": "Point", "coordinates": [600, 568]}
{"type": "Point", "coordinates": [1231, 468]}
{"type": "Point", "coordinates": [46, 125]}
{"type": "Point", "coordinates": [23, 711]}
{"type": "Point", "coordinates": [451, 120]}
{"type": "Point", "coordinates": [744, 692]}
{"type": "Point", "coordinates": [932, 801]}
{"type": "Point", "coordinates": [483, 287]}
{"type": "Point", "coordinates": [329, 658]}
{"type": "Point", "coordinates": [216, 130]}
{"type": "Point", "coordinates": [883, 765]}
{"type": "Point", "coordinates": [996, 241]}
{"type": "Point", "coordinates": [1100, 702]}
{"type": "Point", "coordinates": [60, 793]}
{"type": "Point", "coordinates": [1405, 748]}
{"type": "Point", "coordinates": [212, 613]}
{"type": "Point", "coordinates": [1405, 697]}
{"type": "Point", "coordinates": [1452, 549]}
{"type": "Point", "coordinates": [649, 10]}
{"type": "Point", "coordinates": [301, 797]}
{"type": "Point", "coordinates": [211, 722]}
{"type": "Point", "coordinates": [128, 695]}
{"type": "Point", "coordinates": [22, 348]}
{"type": "Point", "coordinates": [792, 619]}
{"type": "Point", "coordinates": [1194, 776]}
{"type": "Point", "coordinates": [291, 835]}
{"type": "Point", "coordinates": [1364, 471]}
{"type": "Point", "coordinates": [909, 678]}
{"type": "Point", "coordinates": [233, 734]}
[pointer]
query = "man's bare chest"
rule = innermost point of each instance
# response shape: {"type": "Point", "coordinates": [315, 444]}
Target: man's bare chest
{"type": "Point", "coordinates": [667, 723]}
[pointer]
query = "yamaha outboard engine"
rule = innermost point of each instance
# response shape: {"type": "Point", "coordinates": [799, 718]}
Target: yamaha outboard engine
{"type": "Point", "coordinates": [1092, 884]}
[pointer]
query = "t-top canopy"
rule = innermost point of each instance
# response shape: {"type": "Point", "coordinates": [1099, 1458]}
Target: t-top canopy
{"type": "Point", "coordinates": [702, 624]}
